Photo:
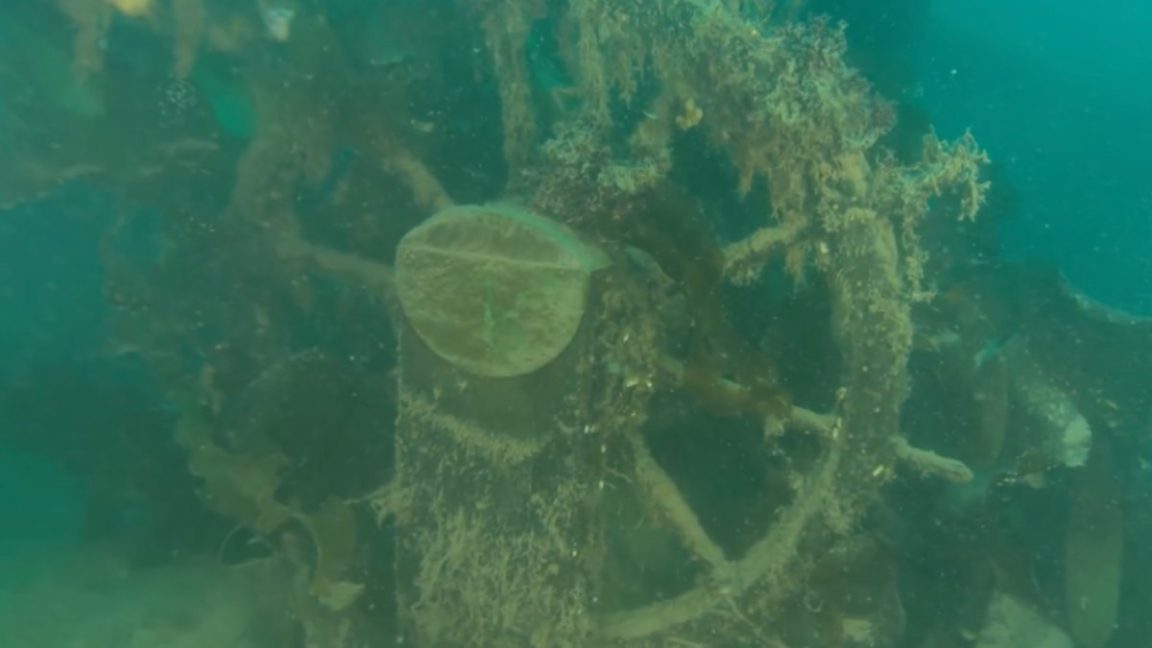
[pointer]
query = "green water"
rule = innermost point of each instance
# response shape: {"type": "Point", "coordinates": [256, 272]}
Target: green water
{"type": "Point", "coordinates": [739, 323]}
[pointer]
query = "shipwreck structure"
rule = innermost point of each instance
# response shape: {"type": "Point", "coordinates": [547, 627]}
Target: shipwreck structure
{"type": "Point", "coordinates": [573, 323]}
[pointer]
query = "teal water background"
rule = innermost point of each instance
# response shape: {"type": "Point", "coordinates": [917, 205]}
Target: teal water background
{"type": "Point", "coordinates": [1060, 94]}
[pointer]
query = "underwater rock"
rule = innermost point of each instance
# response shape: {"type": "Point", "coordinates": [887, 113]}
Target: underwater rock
{"type": "Point", "coordinates": [1012, 624]}
{"type": "Point", "coordinates": [132, 7]}
{"type": "Point", "coordinates": [1061, 431]}
{"type": "Point", "coordinates": [277, 16]}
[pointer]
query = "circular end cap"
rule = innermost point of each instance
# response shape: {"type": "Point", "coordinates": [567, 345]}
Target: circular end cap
{"type": "Point", "coordinates": [494, 289]}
